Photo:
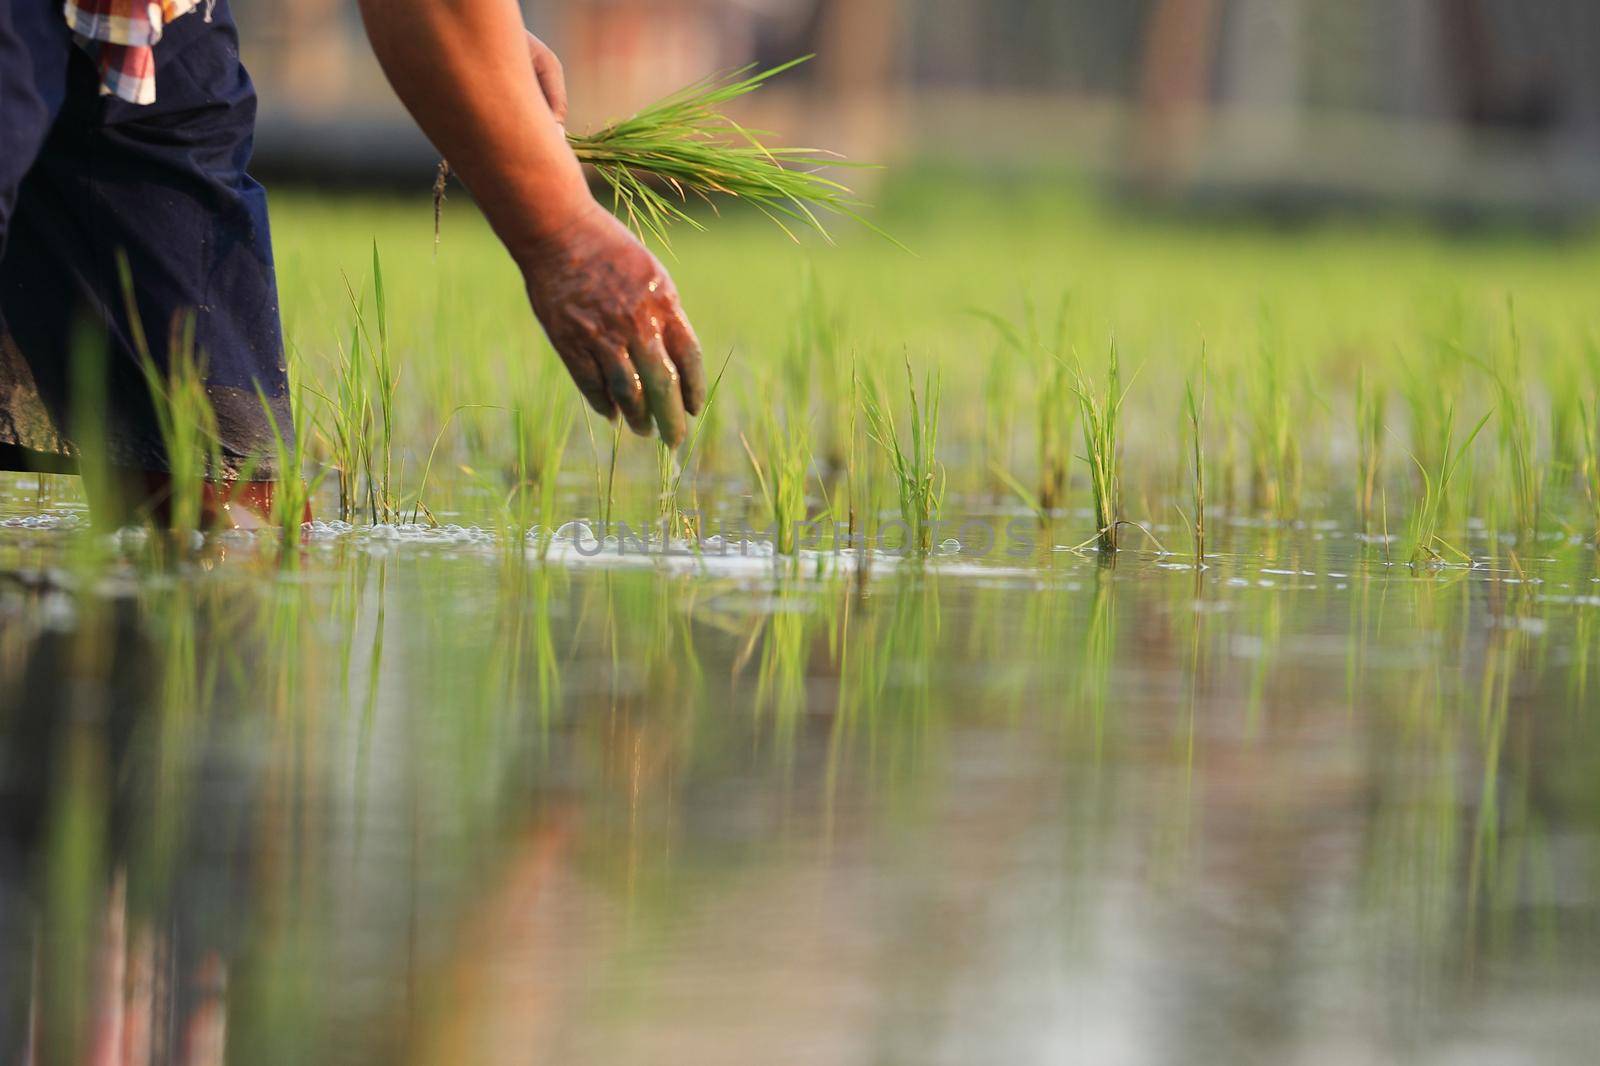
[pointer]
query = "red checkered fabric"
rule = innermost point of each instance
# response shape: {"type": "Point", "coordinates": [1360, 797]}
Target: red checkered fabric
{"type": "Point", "coordinates": [119, 36]}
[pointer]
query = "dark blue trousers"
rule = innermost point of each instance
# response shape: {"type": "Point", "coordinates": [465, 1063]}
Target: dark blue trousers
{"type": "Point", "coordinates": [87, 181]}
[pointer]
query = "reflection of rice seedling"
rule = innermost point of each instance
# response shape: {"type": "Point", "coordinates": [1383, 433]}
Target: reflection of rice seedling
{"type": "Point", "coordinates": [1370, 404]}
{"type": "Point", "coordinates": [781, 678]}
{"type": "Point", "coordinates": [1100, 415]}
{"type": "Point", "coordinates": [685, 146]}
{"type": "Point", "coordinates": [919, 477]}
{"type": "Point", "coordinates": [1099, 653]}
{"type": "Point", "coordinates": [1428, 518]}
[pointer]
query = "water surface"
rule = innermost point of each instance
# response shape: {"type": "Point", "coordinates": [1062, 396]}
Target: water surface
{"type": "Point", "coordinates": [423, 799]}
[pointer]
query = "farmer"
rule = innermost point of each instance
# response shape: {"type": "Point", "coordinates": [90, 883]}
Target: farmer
{"type": "Point", "coordinates": [125, 131]}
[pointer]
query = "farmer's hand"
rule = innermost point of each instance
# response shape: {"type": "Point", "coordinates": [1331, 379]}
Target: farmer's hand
{"type": "Point", "coordinates": [613, 316]}
{"type": "Point", "coordinates": [492, 99]}
{"type": "Point", "coordinates": [611, 311]}
{"type": "Point", "coordinates": [552, 78]}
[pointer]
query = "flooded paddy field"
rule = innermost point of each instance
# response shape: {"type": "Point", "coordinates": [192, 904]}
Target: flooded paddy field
{"type": "Point", "coordinates": [533, 750]}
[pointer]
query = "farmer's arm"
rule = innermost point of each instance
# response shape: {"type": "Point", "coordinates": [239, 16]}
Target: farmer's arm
{"type": "Point", "coordinates": [466, 71]}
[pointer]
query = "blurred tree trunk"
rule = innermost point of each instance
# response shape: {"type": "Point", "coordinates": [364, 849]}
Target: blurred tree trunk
{"type": "Point", "coordinates": [1485, 92]}
{"type": "Point", "coordinates": [859, 71]}
{"type": "Point", "coordinates": [312, 56]}
{"type": "Point", "coordinates": [1180, 45]}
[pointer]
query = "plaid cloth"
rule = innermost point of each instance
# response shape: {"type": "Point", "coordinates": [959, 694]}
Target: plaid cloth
{"type": "Point", "coordinates": [119, 35]}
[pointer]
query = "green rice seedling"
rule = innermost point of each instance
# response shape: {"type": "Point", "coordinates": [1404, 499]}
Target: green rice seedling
{"type": "Point", "coordinates": [1429, 387]}
{"type": "Point", "coordinates": [1518, 449]}
{"type": "Point", "coordinates": [1427, 400]}
{"type": "Point", "coordinates": [605, 473]}
{"type": "Point", "coordinates": [89, 390]}
{"type": "Point", "coordinates": [541, 437]}
{"type": "Point", "coordinates": [1428, 518]}
{"type": "Point", "coordinates": [291, 500]}
{"type": "Point", "coordinates": [1370, 408]}
{"type": "Point", "coordinates": [419, 508]}
{"type": "Point", "coordinates": [1227, 399]}
{"type": "Point", "coordinates": [345, 420]}
{"type": "Point", "coordinates": [673, 467]}
{"type": "Point", "coordinates": [854, 470]}
{"type": "Point", "coordinates": [820, 340]}
{"type": "Point", "coordinates": [918, 474]}
{"type": "Point", "coordinates": [999, 386]}
{"type": "Point", "coordinates": [1565, 463]}
{"type": "Point", "coordinates": [360, 414]}
{"type": "Point", "coordinates": [1273, 432]}
{"type": "Point", "coordinates": [1589, 461]}
{"type": "Point", "coordinates": [668, 516]}
{"type": "Point", "coordinates": [1195, 406]}
{"type": "Point", "coordinates": [541, 415]}
{"type": "Point", "coordinates": [384, 380]}
{"type": "Point", "coordinates": [188, 428]}
{"type": "Point", "coordinates": [1054, 420]}
{"type": "Point", "coordinates": [864, 475]}
{"type": "Point", "coordinates": [185, 419]}
{"type": "Point", "coordinates": [782, 478]}
{"type": "Point", "coordinates": [685, 147]}
{"type": "Point", "coordinates": [1100, 416]}
{"type": "Point", "coordinates": [1026, 345]}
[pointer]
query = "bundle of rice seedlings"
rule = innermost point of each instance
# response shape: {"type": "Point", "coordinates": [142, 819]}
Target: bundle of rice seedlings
{"type": "Point", "coordinates": [684, 147]}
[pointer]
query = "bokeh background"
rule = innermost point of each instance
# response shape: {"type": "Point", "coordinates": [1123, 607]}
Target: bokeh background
{"type": "Point", "coordinates": [1458, 106]}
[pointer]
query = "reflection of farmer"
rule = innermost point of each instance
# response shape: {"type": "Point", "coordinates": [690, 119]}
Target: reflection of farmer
{"type": "Point", "coordinates": [119, 903]}
{"type": "Point", "coordinates": [126, 128]}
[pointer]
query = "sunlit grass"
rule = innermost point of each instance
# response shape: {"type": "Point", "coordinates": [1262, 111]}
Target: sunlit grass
{"type": "Point", "coordinates": [1289, 350]}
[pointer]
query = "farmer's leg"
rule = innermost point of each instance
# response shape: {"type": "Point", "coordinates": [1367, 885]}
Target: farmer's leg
{"type": "Point", "coordinates": [35, 50]}
{"type": "Point", "coordinates": [163, 188]}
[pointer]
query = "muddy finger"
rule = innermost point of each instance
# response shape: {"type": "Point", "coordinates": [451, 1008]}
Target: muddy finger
{"type": "Point", "coordinates": [661, 388]}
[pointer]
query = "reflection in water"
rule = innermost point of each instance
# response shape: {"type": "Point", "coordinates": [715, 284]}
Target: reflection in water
{"type": "Point", "coordinates": [400, 806]}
